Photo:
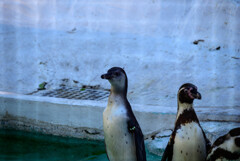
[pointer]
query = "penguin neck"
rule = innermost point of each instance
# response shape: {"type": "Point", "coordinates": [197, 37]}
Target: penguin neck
{"type": "Point", "coordinates": [183, 106]}
{"type": "Point", "coordinates": [116, 98]}
{"type": "Point", "coordinates": [119, 92]}
{"type": "Point", "coordinates": [185, 114]}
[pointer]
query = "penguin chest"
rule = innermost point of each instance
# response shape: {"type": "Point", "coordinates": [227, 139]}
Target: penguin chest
{"type": "Point", "coordinates": [120, 144]}
{"type": "Point", "coordinates": [228, 146]}
{"type": "Point", "coordinates": [189, 143]}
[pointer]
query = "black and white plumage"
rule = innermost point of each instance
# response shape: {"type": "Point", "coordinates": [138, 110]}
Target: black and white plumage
{"type": "Point", "coordinates": [123, 136]}
{"type": "Point", "coordinates": [226, 147]}
{"type": "Point", "coordinates": [187, 141]}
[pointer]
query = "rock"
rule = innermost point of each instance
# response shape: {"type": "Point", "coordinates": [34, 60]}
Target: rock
{"type": "Point", "coordinates": [157, 146]}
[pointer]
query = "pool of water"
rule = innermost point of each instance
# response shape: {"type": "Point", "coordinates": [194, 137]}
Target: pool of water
{"type": "Point", "coordinates": [19, 145]}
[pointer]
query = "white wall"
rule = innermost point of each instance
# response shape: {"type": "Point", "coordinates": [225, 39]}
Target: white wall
{"type": "Point", "coordinates": [48, 40]}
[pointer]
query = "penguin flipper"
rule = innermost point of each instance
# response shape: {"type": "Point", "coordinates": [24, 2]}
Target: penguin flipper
{"type": "Point", "coordinates": [135, 129]}
{"type": "Point", "coordinates": [168, 153]}
{"type": "Point", "coordinates": [208, 143]}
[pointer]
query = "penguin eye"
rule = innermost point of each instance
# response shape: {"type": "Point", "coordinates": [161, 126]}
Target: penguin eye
{"type": "Point", "coordinates": [116, 73]}
{"type": "Point", "coordinates": [194, 90]}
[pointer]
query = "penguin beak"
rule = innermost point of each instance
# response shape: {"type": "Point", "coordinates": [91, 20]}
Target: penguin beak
{"type": "Point", "coordinates": [106, 76]}
{"type": "Point", "coordinates": [197, 95]}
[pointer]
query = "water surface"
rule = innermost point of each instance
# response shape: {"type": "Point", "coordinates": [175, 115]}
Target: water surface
{"type": "Point", "coordinates": [19, 145]}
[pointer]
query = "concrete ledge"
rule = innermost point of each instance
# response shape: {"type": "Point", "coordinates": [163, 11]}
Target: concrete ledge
{"type": "Point", "coordinates": [24, 124]}
{"type": "Point", "coordinates": [51, 115]}
{"type": "Point", "coordinates": [83, 118]}
{"type": "Point", "coordinates": [86, 113]}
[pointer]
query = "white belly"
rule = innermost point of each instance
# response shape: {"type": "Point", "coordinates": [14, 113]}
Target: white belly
{"type": "Point", "coordinates": [224, 159]}
{"type": "Point", "coordinates": [189, 144]}
{"type": "Point", "coordinates": [120, 144]}
{"type": "Point", "coordinates": [228, 145]}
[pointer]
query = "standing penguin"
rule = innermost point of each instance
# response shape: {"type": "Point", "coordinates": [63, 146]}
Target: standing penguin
{"type": "Point", "coordinates": [226, 147]}
{"type": "Point", "coordinates": [188, 141]}
{"type": "Point", "coordinates": [123, 136]}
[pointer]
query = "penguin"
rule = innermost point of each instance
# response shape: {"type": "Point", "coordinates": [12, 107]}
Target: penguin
{"type": "Point", "coordinates": [226, 147]}
{"type": "Point", "coordinates": [123, 136]}
{"type": "Point", "coordinates": [188, 141]}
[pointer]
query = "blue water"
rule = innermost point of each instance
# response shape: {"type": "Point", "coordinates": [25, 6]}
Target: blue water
{"type": "Point", "coordinates": [18, 146]}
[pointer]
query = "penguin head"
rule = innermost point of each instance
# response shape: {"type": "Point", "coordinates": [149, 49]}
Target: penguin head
{"type": "Point", "coordinates": [118, 79]}
{"type": "Point", "coordinates": [187, 93]}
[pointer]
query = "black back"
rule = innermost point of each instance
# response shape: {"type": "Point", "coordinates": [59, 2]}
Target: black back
{"type": "Point", "coordinates": [135, 130]}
